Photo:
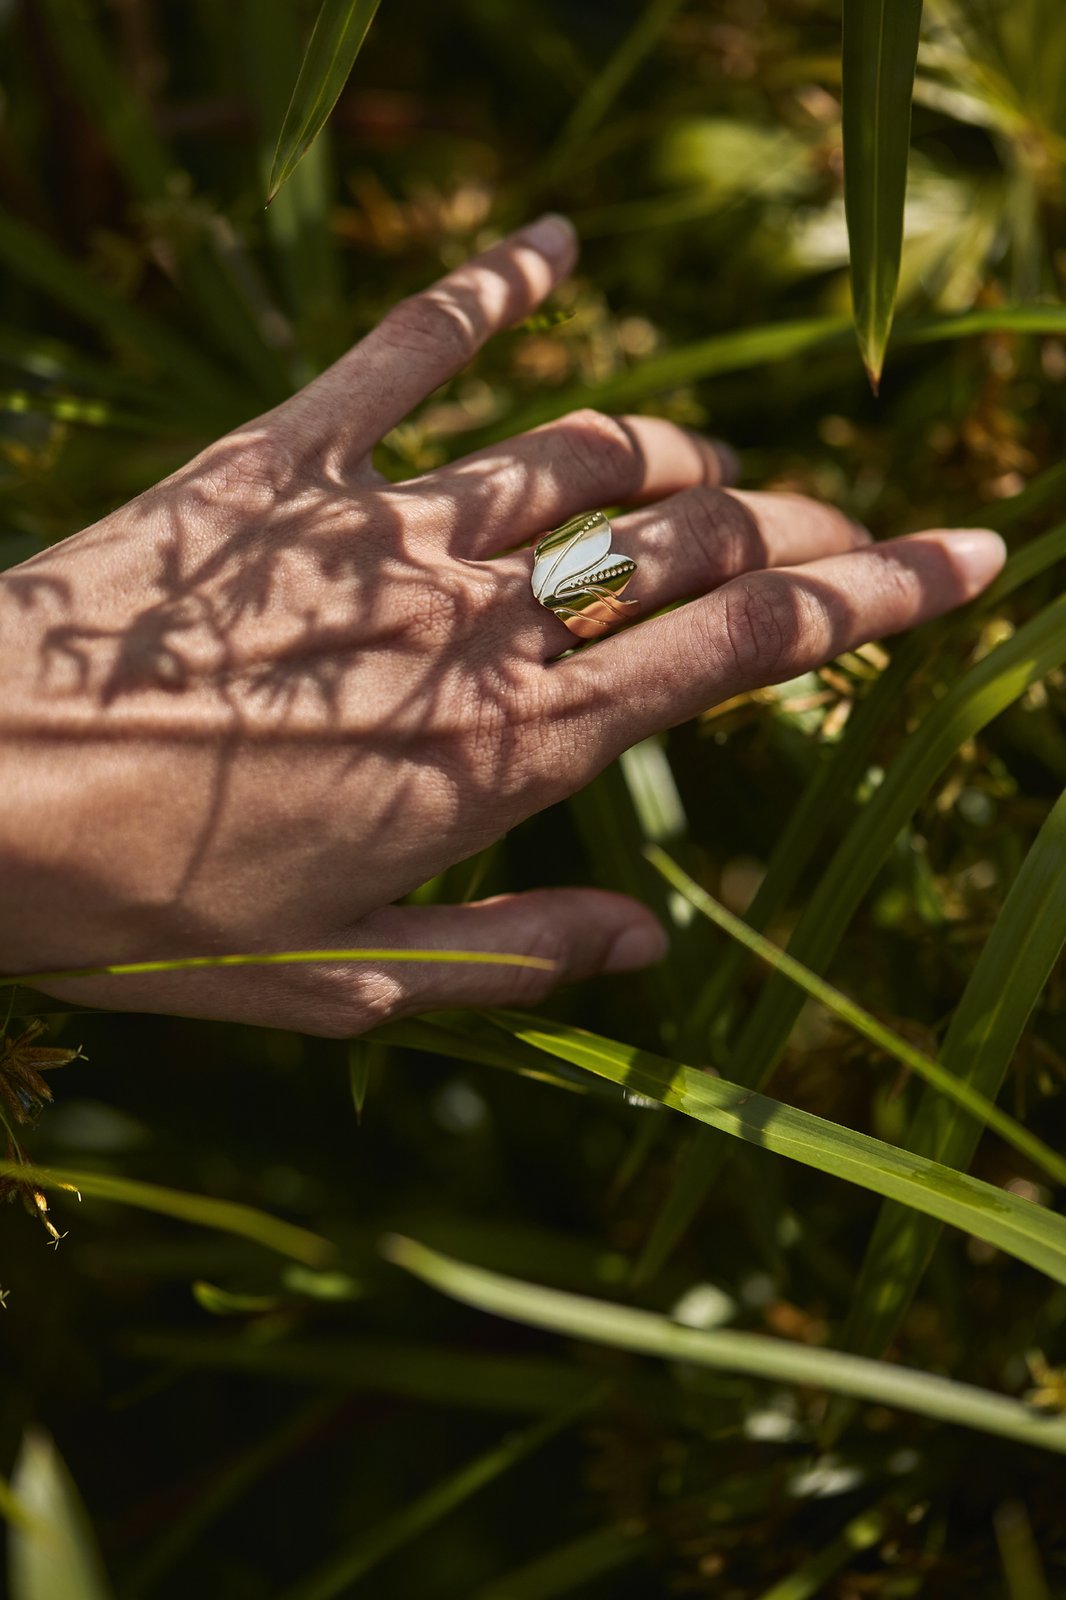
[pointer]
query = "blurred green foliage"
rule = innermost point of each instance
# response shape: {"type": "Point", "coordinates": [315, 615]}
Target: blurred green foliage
{"type": "Point", "coordinates": [263, 1426]}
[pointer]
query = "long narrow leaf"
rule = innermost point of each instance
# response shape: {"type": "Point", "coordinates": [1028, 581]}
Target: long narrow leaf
{"type": "Point", "coordinates": [226, 1215]}
{"type": "Point", "coordinates": [573, 1565]}
{"type": "Point", "coordinates": [216, 273]}
{"type": "Point", "coordinates": [961, 1091]}
{"type": "Point", "coordinates": [759, 347]}
{"type": "Point", "coordinates": [831, 789]}
{"type": "Point", "coordinates": [978, 696]}
{"type": "Point", "coordinates": [607, 85]}
{"type": "Point", "coordinates": [280, 958]}
{"type": "Point", "coordinates": [337, 38]}
{"type": "Point", "coordinates": [1013, 968]}
{"type": "Point", "coordinates": [340, 1572]}
{"type": "Point", "coordinates": [478, 1379]}
{"type": "Point", "coordinates": [756, 1354]}
{"type": "Point", "coordinates": [880, 54]}
{"type": "Point", "coordinates": [1013, 1224]}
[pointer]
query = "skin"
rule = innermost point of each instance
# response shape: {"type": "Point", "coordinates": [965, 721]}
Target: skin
{"type": "Point", "coordinates": [257, 705]}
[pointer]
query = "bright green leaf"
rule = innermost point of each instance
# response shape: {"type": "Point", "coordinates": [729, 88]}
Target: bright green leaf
{"type": "Point", "coordinates": [880, 53]}
{"type": "Point", "coordinates": [1006, 1220]}
{"type": "Point", "coordinates": [204, 1210]}
{"type": "Point", "coordinates": [1013, 968]}
{"type": "Point", "coordinates": [756, 1354]}
{"type": "Point", "coordinates": [336, 40]}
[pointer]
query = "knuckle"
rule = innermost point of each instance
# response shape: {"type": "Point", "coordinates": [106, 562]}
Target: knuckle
{"type": "Point", "coordinates": [761, 628]}
{"type": "Point", "coordinates": [253, 472]}
{"type": "Point", "coordinates": [599, 451]}
{"type": "Point", "coordinates": [423, 323]}
{"type": "Point", "coordinates": [348, 999]}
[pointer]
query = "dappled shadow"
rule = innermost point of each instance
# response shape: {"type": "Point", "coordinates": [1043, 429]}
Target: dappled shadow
{"type": "Point", "coordinates": [291, 700]}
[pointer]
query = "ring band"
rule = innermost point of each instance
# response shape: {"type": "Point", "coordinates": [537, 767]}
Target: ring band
{"type": "Point", "coordinates": [579, 577]}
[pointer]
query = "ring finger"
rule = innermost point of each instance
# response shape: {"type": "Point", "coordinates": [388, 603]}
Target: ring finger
{"type": "Point", "coordinates": [689, 544]}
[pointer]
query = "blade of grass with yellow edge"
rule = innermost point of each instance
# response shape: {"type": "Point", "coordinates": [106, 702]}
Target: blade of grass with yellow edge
{"type": "Point", "coordinates": [228, 1216]}
{"type": "Point", "coordinates": [128, 969]}
{"type": "Point", "coordinates": [371, 1546]}
{"type": "Point", "coordinates": [1012, 969]}
{"type": "Point", "coordinates": [980, 694]}
{"type": "Point", "coordinates": [1013, 1224]}
{"type": "Point", "coordinates": [757, 1355]}
{"type": "Point", "coordinates": [336, 39]}
{"type": "Point", "coordinates": [878, 62]}
{"type": "Point", "coordinates": [942, 1081]}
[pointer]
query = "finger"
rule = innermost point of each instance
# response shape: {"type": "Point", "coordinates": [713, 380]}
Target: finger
{"type": "Point", "coordinates": [694, 541]}
{"type": "Point", "coordinates": [425, 340]}
{"type": "Point", "coordinates": [768, 627]}
{"type": "Point", "coordinates": [570, 933]}
{"type": "Point", "coordinates": [507, 493]}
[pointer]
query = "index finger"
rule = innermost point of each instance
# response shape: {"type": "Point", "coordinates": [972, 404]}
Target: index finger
{"type": "Point", "coordinates": [426, 339]}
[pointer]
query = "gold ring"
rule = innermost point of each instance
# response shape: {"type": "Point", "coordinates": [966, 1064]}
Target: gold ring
{"type": "Point", "coordinates": [579, 577]}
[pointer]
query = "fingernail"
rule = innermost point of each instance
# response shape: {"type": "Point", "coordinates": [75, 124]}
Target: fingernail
{"type": "Point", "coordinates": [642, 944]}
{"type": "Point", "coordinates": [553, 236]}
{"type": "Point", "coordinates": [980, 553]}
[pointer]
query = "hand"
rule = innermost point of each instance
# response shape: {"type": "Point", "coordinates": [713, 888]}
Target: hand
{"type": "Point", "coordinates": [269, 697]}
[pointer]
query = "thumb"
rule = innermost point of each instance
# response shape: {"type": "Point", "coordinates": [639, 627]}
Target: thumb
{"type": "Point", "coordinates": [581, 932]}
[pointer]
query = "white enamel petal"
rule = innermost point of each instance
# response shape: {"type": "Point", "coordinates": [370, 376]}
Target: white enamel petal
{"type": "Point", "coordinates": [570, 561]}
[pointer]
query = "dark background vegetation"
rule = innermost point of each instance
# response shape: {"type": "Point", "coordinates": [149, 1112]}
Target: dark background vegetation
{"type": "Point", "coordinates": [236, 1447]}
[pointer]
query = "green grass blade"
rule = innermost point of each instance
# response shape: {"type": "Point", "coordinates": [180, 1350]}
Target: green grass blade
{"type": "Point", "coordinates": [1013, 1224]}
{"type": "Point", "coordinates": [216, 273]}
{"type": "Point", "coordinates": [55, 1557]}
{"type": "Point", "coordinates": [1019, 1554]}
{"type": "Point", "coordinates": [944, 1083]}
{"type": "Point", "coordinates": [829, 793]}
{"type": "Point", "coordinates": [814, 1574]}
{"type": "Point", "coordinates": [755, 1354]}
{"type": "Point", "coordinates": [1013, 967]}
{"type": "Point", "coordinates": [603, 90]}
{"type": "Point", "coordinates": [298, 221]}
{"type": "Point", "coordinates": [468, 1038]}
{"type": "Point", "coordinates": [572, 1565]}
{"type": "Point", "coordinates": [724, 353]}
{"type": "Point", "coordinates": [480, 1380]}
{"type": "Point", "coordinates": [127, 969]}
{"type": "Point", "coordinates": [978, 696]}
{"type": "Point", "coordinates": [228, 1216]}
{"type": "Point", "coordinates": [880, 54]}
{"type": "Point", "coordinates": [336, 39]}
{"type": "Point", "coordinates": [37, 261]}
{"type": "Point", "coordinates": [224, 1489]}
{"type": "Point", "coordinates": [371, 1547]}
